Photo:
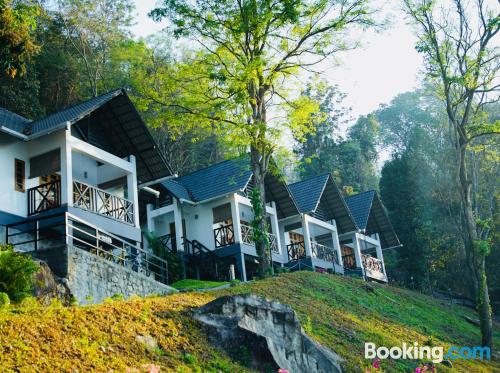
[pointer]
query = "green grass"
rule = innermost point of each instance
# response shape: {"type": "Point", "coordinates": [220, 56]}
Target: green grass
{"type": "Point", "coordinates": [338, 312]}
{"type": "Point", "coordinates": [190, 284]}
{"type": "Point", "coordinates": [342, 314]}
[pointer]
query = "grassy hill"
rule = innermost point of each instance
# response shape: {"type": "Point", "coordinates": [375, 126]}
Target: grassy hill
{"type": "Point", "coordinates": [339, 312]}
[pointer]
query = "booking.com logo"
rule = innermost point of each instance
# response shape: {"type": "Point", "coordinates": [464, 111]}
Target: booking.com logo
{"type": "Point", "coordinates": [436, 353]}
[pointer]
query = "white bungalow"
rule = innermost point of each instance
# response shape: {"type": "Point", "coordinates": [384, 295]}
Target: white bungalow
{"type": "Point", "coordinates": [73, 178]}
{"type": "Point", "coordinates": [362, 249]}
{"type": "Point", "coordinates": [311, 238]}
{"type": "Point", "coordinates": [207, 214]}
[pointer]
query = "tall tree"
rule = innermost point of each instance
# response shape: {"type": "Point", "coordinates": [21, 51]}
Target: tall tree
{"type": "Point", "coordinates": [460, 54]}
{"type": "Point", "coordinates": [17, 41]}
{"type": "Point", "coordinates": [251, 49]}
{"type": "Point", "coordinates": [93, 27]}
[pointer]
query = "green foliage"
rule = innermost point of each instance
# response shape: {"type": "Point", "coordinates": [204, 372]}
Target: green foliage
{"type": "Point", "coordinates": [4, 300]}
{"type": "Point", "coordinates": [352, 160]}
{"type": "Point", "coordinates": [190, 284]}
{"type": "Point", "coordinates": [17, 44]}
{"type": "Point", "coordinates": [173, 260]}
{"type": "Point", "coordinates": [16, 272]}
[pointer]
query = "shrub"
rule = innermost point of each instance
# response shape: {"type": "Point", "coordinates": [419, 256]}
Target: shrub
{"type": "Point", "coordinates": [16, 272]}
{"type": "Point", "coordinates": [235, 282]}
{"type": "Point", "coordinates": [173, 260]}
{"type": "Point", "coordinates": [4, 300]}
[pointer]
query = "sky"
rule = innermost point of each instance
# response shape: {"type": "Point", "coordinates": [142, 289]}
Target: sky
{"type": "Point", "coordinates": [385, 65]}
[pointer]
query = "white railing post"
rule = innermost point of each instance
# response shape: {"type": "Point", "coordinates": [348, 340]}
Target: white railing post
{"type": "Point", "coordinates": [67, 169]}
{"type": "Point", "coordinates": [132, 190]}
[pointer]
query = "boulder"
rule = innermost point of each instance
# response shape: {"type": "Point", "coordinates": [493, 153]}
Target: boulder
{"type": "Point", "coordinates": [47, 286]}
{"type": "Point", "coordinates": [269, 331]}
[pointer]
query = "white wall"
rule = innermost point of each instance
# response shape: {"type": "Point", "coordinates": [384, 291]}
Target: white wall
{"type": "Point", "coordinates": [11, 201]}
{"type": "Point", "coordinates": [199, 221]}
{"type": "Point", "coordinates": [83, 164]}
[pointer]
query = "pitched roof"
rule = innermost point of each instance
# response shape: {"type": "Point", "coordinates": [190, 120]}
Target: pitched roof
{"type": "Point", "coordinates": [12, 121]}
{"type": "Point", "coordinates": [214, 181]}
{"type": "Point", "coordinates": [229, 177]}
{"type": "Point", "coordinates": [115, 119]}
{"type": "Point", "coordinates": [360, 206]}
{"type": "Point", "coordinates": [371, 216]}
{"type": "Point", "coordinates": [309, 193]}
{"type": "Point", "coordinates": [73, 113]}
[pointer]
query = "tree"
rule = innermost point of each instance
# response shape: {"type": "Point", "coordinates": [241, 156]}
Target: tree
{"type": "Point", "coordinates": [352, 158]}
{"type": "Point", "coordinates": [460, 55]}
{"type": "Point", "coordinates": [17, 44]}
{"type": "Point", "coordinates": [93, 27]}
{"type": "Point", "coordinates": [250, 50]}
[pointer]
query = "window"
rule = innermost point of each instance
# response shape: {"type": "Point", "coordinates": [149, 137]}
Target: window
{"type": "Point", "coordinates": [19, 175]}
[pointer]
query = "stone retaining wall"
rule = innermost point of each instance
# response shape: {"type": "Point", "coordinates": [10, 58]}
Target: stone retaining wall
{"type": "Point", "coordinates": [91, 279]}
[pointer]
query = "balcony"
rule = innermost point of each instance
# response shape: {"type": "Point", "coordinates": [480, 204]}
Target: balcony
{"type": "Point", "coordinates": [323, 252]}
{"type": "Point", "coordinates": [224, 236]}
{"type": "Point", "coordinates": [99, 201]}
{"type": "Point", "coordinates": [48, 196]}
{"type": "Point", "coordinates": [246, 238]}
{"type": "Point", "coordinates": [296, 251]}
{"type": "Point", "coordinates": [372, 264]}
{"type": "Point", "coordinates": [44, 197]}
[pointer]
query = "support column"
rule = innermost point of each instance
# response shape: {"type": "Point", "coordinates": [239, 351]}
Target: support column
{"type": "Point", "coordinates": [357, 253]}
{"type": "Point", "coordinates": [307, 239]}
{"type": "Point", "coordinates": [179, 235]}
{"type": "Point", "coordinates": [151, 221]}
{"type": "Point", "coordinates": [67, 169]}
{"type": "Point", "coordinates": [235, 216]}
{"type": "Point", "coordinates": [336, 247]}
{"type": "Point", "coordinates": [275, 229]}
{"type": "Point", "coordinates": [132, 189]}
{"type": "Point", "coordinates": [380, 256]}
{"type": "Point", "coordinates": [240, 263]}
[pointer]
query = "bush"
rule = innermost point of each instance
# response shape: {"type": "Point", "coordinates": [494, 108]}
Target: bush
{"type": "Point", "coordinates": [16, 272]}
{"type": "Point", "coordinates": [173, 259]}
{"type": "Point", "coordinates": [4, 300]}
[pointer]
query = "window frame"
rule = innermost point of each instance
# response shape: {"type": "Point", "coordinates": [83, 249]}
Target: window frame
{"type": "Point", "coordinates": [19, 163]}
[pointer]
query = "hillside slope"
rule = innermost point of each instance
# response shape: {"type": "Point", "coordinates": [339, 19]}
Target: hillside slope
{"type": "Point", "coordinates": [342, 313]}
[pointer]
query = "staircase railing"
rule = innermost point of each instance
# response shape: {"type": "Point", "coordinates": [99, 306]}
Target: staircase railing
{"type": "Point", "coordinates": [60, 230]}
{"type": "Point", "coordinates": [206, 261]}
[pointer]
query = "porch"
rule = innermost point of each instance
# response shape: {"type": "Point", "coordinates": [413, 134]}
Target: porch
{"type": "Point", "coordinates": [87, 181]}
{"type": "Point", "coordinates": [362, 255]}
{"type": "Point", "coordinates": [311, 244]}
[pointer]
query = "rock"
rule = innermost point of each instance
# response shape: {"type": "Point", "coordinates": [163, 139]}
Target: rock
{"type": "Point", "coordinates": [447, 363]}
{"type": "Point", "coordinates": [472, 321]}
{"type": "Point", "coordinates": [269, 331]}
{"type": "Point", "coordinates": [147, 341]}
{"type": "Point", "coordinates": [47, 286]}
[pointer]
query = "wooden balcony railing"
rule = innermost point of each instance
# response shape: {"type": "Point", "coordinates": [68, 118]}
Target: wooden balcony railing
{"type": "Point", "coordinates": [371, 263]}
{"type": "Point", "coordinates": [99, 201]}
{"type": "Point", "coordinates": [296, 251]}
{"type": "Point", "coordinates": [224, 236]}
{"type": "Point", "coordinates": [349, 261]}
{"type": "Point", "coordinates": [323, 252]}
{"type": "Point", "coordinates": [44, 197]}
{"type": "Point", "coordinates": [246, 238]}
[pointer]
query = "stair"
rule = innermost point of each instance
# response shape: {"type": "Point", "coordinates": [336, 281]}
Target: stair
{"type": "Point", "coordinates": [204, 264]}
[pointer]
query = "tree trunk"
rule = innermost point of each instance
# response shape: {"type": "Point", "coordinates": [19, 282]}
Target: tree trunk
{"type": "Point", "coordinates": [259, 170]}
{"type": "Point", "coordinates": [475, 256]}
